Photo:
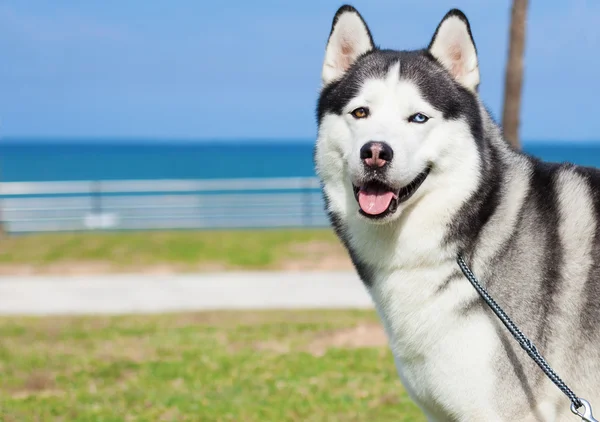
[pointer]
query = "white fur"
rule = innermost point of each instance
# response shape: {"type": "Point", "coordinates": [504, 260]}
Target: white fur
{"type": "Point", "coordinates": [454, 48]}
{"type": "Point", "coordinates": [349, 39]}
{"type": "Point", "coordinates": [428, 342]}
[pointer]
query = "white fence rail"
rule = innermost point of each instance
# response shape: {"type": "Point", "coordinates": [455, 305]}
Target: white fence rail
{"type": "Point", "coordinates": [161, 204]}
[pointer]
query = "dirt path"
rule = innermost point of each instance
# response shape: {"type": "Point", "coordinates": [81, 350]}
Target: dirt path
{"type": "Point", "coordinates": [134, 293]}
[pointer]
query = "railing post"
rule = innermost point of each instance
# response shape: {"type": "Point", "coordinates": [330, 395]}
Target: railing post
{"type": "Point", "coordinates": [306, 203]}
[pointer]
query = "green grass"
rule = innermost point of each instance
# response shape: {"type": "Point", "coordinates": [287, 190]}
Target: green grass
{"type": "Point", "coordinates": [181, 250]}
{"type": "Point", "coordinates": [236, 366]}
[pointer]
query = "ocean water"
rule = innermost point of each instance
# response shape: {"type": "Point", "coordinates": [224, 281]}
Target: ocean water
{"type": "Point", "coordinates": [111, 160]}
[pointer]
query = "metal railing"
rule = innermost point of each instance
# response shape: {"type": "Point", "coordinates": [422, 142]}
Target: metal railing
{"type": "Point", "coordinates": [161, 204]}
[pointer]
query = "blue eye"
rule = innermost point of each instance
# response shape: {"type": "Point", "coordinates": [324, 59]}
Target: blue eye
{"type": "Point", "coordinates": [418, 118]}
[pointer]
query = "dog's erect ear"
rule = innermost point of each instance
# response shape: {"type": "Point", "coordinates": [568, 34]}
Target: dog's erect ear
{"type": "Point", "coordinates": [349, 39]}
{"type": "Point", "coordinates": [453, 46]}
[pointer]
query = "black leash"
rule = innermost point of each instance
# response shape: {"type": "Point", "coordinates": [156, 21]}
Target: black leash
{"type": "Point", "coordinates": [527, 345]}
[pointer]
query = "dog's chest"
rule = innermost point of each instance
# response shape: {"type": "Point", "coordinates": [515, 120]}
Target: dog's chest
{"type": "Point", "coordinates": [443, 356]}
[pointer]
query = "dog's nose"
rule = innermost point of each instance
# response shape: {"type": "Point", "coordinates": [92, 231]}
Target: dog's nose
{"type": "Point", "coordinates": [376, 154]}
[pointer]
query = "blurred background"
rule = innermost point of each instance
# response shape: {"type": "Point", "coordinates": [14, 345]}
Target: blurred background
{"type": "Point", "coordinates": [157, 157]}
{"type": "Point", "coordinates": [201, 115]}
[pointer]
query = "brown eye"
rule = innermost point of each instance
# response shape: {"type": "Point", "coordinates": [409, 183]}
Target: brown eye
{"type": "Point", "coordinates": [360, 113]}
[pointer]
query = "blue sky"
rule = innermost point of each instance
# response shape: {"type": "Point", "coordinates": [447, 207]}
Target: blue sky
{"type": "Point", "coordinates": [251, 69]}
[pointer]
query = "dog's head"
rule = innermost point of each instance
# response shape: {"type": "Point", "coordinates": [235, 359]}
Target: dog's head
{"type": "Point", "coordinates": [395, 126]}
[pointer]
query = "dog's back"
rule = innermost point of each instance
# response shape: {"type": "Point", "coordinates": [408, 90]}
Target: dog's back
{"type": "Point", "coordinates": [538, 252]}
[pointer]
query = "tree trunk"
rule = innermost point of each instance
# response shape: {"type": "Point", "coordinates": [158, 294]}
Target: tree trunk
{"type": "Point", "coordinates": [514, 73]}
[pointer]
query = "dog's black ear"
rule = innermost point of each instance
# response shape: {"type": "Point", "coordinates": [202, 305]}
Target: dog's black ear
{"type": "Point", "coordinates": [349, 39]}
{"type": "Point", "coordinates": [453, 46]}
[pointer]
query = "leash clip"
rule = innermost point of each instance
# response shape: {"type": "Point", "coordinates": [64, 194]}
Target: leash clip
{"type": "Point", "coordinates": [587, 411]}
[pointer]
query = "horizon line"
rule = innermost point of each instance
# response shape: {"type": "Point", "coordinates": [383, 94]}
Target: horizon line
{"type": "Point", "coordinates": [6, 140]}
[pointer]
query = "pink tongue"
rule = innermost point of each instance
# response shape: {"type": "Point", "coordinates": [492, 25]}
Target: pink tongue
{"type": "Point", "coordinates": [374, 203]}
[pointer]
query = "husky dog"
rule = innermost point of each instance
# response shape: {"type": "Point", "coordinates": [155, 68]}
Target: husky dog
{"type": "Point", "coordinates": [415, 171]}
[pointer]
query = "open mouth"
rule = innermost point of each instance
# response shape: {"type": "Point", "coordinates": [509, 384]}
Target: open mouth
{"type": "Point", "coordinates": [377, 199]}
